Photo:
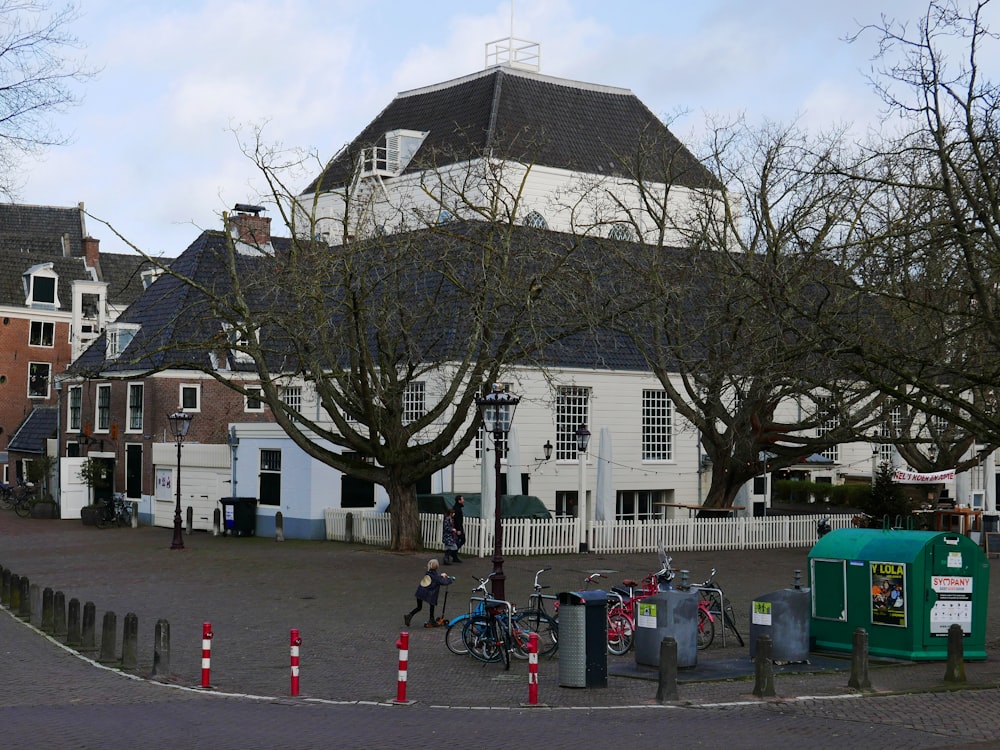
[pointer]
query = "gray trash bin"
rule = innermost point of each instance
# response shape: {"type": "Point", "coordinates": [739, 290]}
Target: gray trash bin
{"type": "Point", "coordinates": [239, 516]}
{"type": "Point", "coordinates": [784, 616]}
{"type": "Point", "coordinates": [583, 639]}
{"type": "Point", "coordinates": [673, 613]}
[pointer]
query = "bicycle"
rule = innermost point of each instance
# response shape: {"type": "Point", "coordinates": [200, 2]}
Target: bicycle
{"type": "Point", "coordinates": [21, 497]}
{"type": "Point", "coordinates": [115, 512]}
{"type": "Point", "coordinates": [536, 618]}
{"type": "Point", "coordinates": [714, 600]}
{"type": "Point", "coordinates": [621, 625]}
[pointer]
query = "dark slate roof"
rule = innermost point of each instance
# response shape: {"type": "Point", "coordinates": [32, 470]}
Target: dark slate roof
{"type": "Point", "coordinates": [124, 276]}
{"type": "Point", "coordinates": [13, 264]}
{"type": "Point", "coordinates": [526, 116]}
{"type": "Point", "coordinates": [40, 425]}
{"type": "Point", "coordinates": [47, 230]}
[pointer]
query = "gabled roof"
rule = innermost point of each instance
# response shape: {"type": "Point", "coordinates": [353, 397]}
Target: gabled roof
{"type": "Point", "coordinates": [37, 427]}
{"type": "Point", "coordinates": [45, 230]}
{"type": "Point", "coordinates": [525, 116]}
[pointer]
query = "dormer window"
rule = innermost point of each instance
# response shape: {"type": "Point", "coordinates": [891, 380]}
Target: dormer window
{"type": "Point", "coordinates": [621, 232]}
{"type": "Point", "coordinates": [390, 159]}
{"type": "Point", "coordinates": [535, 220]}
{"type": "Point", "coordinates": [238, 343]}
{"type": "Point", "coordinates": [149, 276]}
{"type": "Point", "coordinates": [119, 336]}
{"type": "Point", "coordinates": [40, 285]}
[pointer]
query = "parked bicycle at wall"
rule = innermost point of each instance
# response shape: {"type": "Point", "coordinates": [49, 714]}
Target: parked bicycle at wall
{"type": "Point", "coordinates": [621, 624]}
{"type": "Point", "coordinates": [537, 619]}
{"type": "Point", "coordinates": [115, 512]}
{"type": "Point", "coordinates": [18, 496]}
{"type": "Point", "coordinates": [494, 634]}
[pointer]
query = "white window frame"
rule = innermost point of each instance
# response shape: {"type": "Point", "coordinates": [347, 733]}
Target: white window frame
{"type": "Point", "coordinates": [119, 336]}
{"type": "Point", "coordinates": [237, 337]}
{"type": "Point", "coordinates": [43, 326]}
{"type": "Point", "coordinates": [827, 425]}
{"type": "Point", "coordinates": [74, 409]}
{"type": "Point", "coordinates": [188, 388]}
{"type": "Point", "coordinates": [102, 407]}
{"type": "Point", "coordinates": [133, 409]}
{"type": "Point", "coordinates": [572, 410]}
{"type": "Point", "coordinates": [259, 408]}
{"type": "Point", "coordinates": [657, 426]}
{"type": "Point", "coordinates": [41, 271]}
{"type": "Point", "coordinates": [414, 401]}
{"type": "Point", "coordinates": [292, 396]}
{"type": "Point", "coordinates": [48, 379]}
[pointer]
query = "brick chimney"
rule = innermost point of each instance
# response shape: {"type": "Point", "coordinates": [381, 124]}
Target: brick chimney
{"type": "Point", "coordinates": [248, 226]}
{"type": "Point", "coordinates": [91, 251]}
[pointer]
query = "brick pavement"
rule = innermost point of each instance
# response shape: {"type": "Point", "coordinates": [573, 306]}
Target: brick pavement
{"type": "Point", "coordinates": [347, 602]}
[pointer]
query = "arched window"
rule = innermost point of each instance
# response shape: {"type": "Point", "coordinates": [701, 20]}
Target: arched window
{"type": "Point", "coordinates": [535, 220]}
{"type": "Point", "coordinates": [621, 232]}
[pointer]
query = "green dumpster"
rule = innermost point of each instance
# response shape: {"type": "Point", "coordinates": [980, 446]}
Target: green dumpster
{"type": "Point", "coordinates": [905, 588]}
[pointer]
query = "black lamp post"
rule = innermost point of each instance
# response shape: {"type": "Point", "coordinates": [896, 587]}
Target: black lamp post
{"type": "Point", "coordinates": [582, 441]}
{"type": "Point", "coordinates": [179, 425]}
{"type": "Point", "coordinates": [497, 409]}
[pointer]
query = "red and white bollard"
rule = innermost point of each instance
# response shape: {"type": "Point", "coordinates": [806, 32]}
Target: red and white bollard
{"type": "Point", "coordinates": [206, 654]}
{"type": "Point", "coordinates": [295, 643]}
{"type": "Point", "coordinates": [533, 669]}
{"type": "Point", "coordinates": [403, 644]}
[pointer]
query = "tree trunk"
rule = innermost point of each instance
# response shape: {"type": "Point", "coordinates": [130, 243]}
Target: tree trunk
{"type": "Point", "coordinates": [725, 486]}
{"type": "Point", "coordinates": [405, 519]}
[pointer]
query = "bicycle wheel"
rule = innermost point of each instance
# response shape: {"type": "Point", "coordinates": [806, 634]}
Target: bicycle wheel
{"type": "Point", "coordinates": [620, 632]}
{"type": "Point", "coordinates": [536, 621]}
{"type": "Point", "coordinates": [730, 622]}
{"type": "Point", "coordinates": [103, 521]}
{"type": "Point", "coordinates": [480, 639]}
{"type": "Point", "coordinates": [124, 516]}
{"type": "Point", "coordinates": [502, 637]}
{"type": "Point", "coordinates": [6, 500]}
{"type": "Point", "coordinates": [23, 507]}
{"type": "Point", "coordinates": [706, 629]}
{"type": "Point", "coordinates": [453, 636]}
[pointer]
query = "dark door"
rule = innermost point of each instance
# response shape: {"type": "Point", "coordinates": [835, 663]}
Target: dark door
{"type": "Point", "coordinates": [133, 470]}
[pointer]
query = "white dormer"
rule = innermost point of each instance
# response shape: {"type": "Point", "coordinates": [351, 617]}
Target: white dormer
{"type": "Point", "coordinates": [41, 287]}
{"type": "Point", "coordinates": [119, 336]}
{"type": "Point", "coordinates": [391, 159]}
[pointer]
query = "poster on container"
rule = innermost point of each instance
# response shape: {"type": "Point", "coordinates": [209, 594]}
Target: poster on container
{"type": "Point", "coordinates": [953, 605]}
{"type": "Point", "coordinates": [888, 582]}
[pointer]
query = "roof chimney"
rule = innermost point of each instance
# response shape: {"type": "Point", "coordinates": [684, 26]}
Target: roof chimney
{"type": "Point", "coordinates": [91, 252]}
{"type": "Point", "coordinates": [250, 227]}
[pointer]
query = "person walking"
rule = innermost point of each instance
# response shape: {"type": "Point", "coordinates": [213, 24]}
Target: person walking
{"type": "Point", "coordinates": [459, 522]}
{"type": "Point", "coordinates": [427, 591]}
{"type": "Point", "coordinates": [448, 537]}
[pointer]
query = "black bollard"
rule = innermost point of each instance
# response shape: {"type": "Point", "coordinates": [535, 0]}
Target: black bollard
{"type": "Point", "coordinates": [24, 612]}
{"type": "Point", "coordinates": [859, 662]}
{"type": "Point", "coordinates": [216, 522]}
{"type": "Point", "coordinates": [14, 602]}
{"type": "Point", "coordinates": [108, 632]}
{"type": "Point", "coordinates": [955, 668]}
{"type": "Point", "coordinates": [190, 519]}
{"type": "Point", "coordinates": [48, 614]}
{"type": "Point", "coordinates": [161, 649]}
{"type": "Point", "coordinates": [763, 686]}
{"type": "Point", "coordinates": [88, 640]}
{"type": "Point", "coordinates": [35, 609]}
{"type": "Point", "coordinates": [667, 688]}
{"type": "Point", "coordinates": [279, 527]}
{"type": "Point", "coordinates": [349, 528]}
{"type": "Point", "coordinates": [5, 588]}
{"type": "Point", "coordinates": [73, 637]}
{"type": "Point", "coordinates": [130, 641]}
{"type": "Point", "coordinates": [59, 614]}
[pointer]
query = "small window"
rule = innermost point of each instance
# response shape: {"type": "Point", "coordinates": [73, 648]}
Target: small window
{"type": "Point", "coordinates": [40, 286]}
{"type": "Point", "coordinates": [190, 397]}
{"type": "Point", "coordinates": [535, 220]}
{"type": "Point", "coordinates": [270, 477]}
{"type": "Point", "coordinates": [621, 232]}
{"type": "Point", "coordinates": [42, 333]}
{"type": "Point", "coordinates": [253, 402]}
{"type": "Point", "coordinates": [292, 396]}
{"type": "Point", "coordinates": [103, 413]}
{"type": "Point", "coordinates": [239, 340]}
{"type": "Point", "coordinates": [38, 379]}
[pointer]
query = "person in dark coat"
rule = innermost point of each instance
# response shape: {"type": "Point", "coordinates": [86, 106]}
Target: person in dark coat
{"type": "Point", "coordinates": [459, 523]}
{"type": "Point", "coordinates": [449, 538]}
{"type": "Point", "coordinates": [427, 591]}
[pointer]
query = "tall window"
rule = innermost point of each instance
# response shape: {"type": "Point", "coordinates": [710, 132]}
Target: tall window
{"type": "Point", "coordinates": [572, 410]}
{"type": "Point", "coordinates": [414, 402]}
{"type": "Point", "coordinates": [657, 426]}
{"type": "Point", "coordinates": [74, 423]}
{"type": "Point", "coordinates": [135, 407]}
{"type": "Point", "coordinates": [42, 333]}
{"type": "Point", "coordinates": [38, 379]}
{"type": "Point", "coordinates": [270, 477]}
{"type": "Point", "coordinates": [103, 420]}
{"type": "Point", "coordinates": [830, 422]}
{"type": "Point", "coordinates": [253, 402]}
{"type": "Point", "coordinates": [292, 396]}
{"type": "Point", "coordinates": [639, 505]}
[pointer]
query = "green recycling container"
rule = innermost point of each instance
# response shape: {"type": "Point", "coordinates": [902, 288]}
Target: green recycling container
{"type": "Point", "coordinates": [905, 588]}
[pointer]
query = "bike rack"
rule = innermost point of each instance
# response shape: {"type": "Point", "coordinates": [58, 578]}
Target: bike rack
{"type": "Point", "coordinates": [723, 604]}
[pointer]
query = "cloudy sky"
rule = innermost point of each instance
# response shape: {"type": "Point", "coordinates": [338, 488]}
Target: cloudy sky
{"type": "Point", "coordinates": [152, 148]}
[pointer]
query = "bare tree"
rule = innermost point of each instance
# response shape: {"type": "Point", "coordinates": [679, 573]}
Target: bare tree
{"type": "Point", "coordinates": [37, 79]}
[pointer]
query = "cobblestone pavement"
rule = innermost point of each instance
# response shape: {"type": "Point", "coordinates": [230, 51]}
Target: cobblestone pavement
{"type": "Point", "coordinates": [347, 602]}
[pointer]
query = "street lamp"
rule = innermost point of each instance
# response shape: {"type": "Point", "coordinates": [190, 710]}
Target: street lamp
{"type": "Point", "coordinates": [180, 423]}
{"type": "Point", "coordinates": [582, 435]}
{"type": "Point", "coordinates": [497, 410]}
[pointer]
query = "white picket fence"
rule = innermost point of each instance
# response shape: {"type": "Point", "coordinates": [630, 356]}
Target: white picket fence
{"type": "Point", "coordinates": [553, 536]}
